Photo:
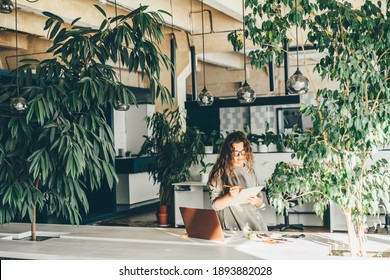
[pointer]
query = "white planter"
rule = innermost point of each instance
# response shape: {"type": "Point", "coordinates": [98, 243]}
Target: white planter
{"type": "Point", "coordinates": [204, 177]}
{"type": "Point", "coordinates": [263, 148]}
{"type": "Point", "coordinates": [208, 149]}
{"type": "Point", "coordinates": [272, 148]}
{"type": "Point", "coordinates": [255, 148]}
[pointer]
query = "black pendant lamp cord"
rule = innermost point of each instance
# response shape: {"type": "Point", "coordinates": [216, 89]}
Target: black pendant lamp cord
{"type": "Point", "coordinates": [204, 62]}
{"type": "Point", "coordinates": [17, 47]}
{"type": "Point", "coordinates": [173, 34]}
{"type": "Point", "coordinates": [243, 37]}
{"type": "Point", "coordinates": [296, 30]}
{"type": "Point", "coordinates": [119, 55]}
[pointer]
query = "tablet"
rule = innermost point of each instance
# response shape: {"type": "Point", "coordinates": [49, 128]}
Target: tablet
{"type": "Point", "coordinates": [243, 195]}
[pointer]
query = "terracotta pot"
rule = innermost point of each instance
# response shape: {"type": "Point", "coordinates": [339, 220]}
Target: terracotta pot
{"type": "Point", "coordinates": [162, 219]}
{"type": "Point", "coordinates": [162, 209]}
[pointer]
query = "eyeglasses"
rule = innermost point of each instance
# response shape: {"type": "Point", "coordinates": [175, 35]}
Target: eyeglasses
{"type": "Point", "coordinates": [238, 153]}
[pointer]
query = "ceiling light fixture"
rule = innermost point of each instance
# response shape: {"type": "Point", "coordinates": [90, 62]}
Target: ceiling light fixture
{"type": "Point", "coordinates": [205, 97]}
{"type": "Point", "coordinates": [245, 93]}
{"type": "Point", "coordinates": [297, 84]}
{"type": "Point", "coordinates": [6, 6]}
{"type": "Point", "coordinates": [18, 104]}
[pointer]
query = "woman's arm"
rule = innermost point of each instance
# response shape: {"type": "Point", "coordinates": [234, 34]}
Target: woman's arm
{"type": "Point", "coordinates": [223, 201]}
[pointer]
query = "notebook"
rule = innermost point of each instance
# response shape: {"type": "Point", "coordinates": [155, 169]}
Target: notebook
{"type": "Point", "coordinates": [243, 195]}
{"type": "Point", "coordinates": [204, 224]}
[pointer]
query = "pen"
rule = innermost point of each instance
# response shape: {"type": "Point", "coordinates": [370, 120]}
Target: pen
{"type": "Point", "coordinates": [228, 187]}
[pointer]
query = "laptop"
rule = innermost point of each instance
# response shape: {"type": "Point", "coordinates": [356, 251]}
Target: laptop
{"type": "Point", "coordinates": [204, 224]}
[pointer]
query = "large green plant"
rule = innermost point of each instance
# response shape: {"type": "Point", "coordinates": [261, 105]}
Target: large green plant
{"type": "Point", "coordinates": [63, 145]}
{"type": "Point", "coordinates": [350, 123]}
{"type": "Point", "coordinates": [176, 148]}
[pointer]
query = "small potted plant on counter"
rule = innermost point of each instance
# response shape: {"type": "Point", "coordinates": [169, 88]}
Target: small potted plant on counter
{"type": "Point", "coordinates": [255, 139]}
{"type": "Point", "coordinates": [204, 172]}
{"type": "Point", "coordinates": [213, 141]}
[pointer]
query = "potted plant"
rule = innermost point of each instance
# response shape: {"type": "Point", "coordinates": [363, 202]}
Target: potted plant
{"type": "Point", "coordinates": [176, 148]}
{"type": "Point", "coordinates": [213, 141]}
{"type": "Point", "coordinates": [350, 123]}
{"type": "Point", "coordinates": [62, 145]}
{"type": "Point", "coordinates": [204, 171]}
{"type": "Point", "coordinates": [272, 140]}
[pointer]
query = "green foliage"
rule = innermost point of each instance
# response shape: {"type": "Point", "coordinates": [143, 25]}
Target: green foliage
{"type": "Point", "coordinates": [267, 26]}
{"type": "Point", "coordinates": [351, 122]}
{"type": "Point", "coordinates": [215, 139]}
{"type": "Point", "coordinates": [253, 138]}
{"type": "Point", "coordinates": [63, 145]}
{"type": "Point", "coordinates": [176, 148]}
{"type": "Point", "coordinates": [205, 166]}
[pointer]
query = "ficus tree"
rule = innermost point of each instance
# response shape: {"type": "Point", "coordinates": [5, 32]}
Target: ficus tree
{"type": "Point", "coordinates": [63, 145]}
{"type": "Point", "coordinates": [350, 123]}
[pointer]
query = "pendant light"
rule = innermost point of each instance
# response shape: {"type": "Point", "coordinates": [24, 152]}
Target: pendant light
{"type": "Point", "coordinates": [173, 56]}
{"type": "Point", "coordinates": [205, 97]}
{"type": "Point", "coordinates": [119, 106]}
{"type": "Point", "coordinates": [18, 104]}
{"type": "Point", "coordinates": [245, 93]}
{"type": "Point", "coordinates": [297, 83]}
{"type": "Point", "coordinates": [6, 6]}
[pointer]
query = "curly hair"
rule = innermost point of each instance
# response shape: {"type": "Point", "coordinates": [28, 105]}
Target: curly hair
{"type": "Point", "coordinates": [224, 166]}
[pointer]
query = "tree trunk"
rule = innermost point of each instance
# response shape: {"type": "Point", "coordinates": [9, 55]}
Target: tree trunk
{"type": "Point", "coordinates": [362, 243]}
{"type": "Point", "coordinates": [353, 240]}
{"type": "Point", "coordinates": [34, 224]}
{"type": "Point", "coordinates": [34, 216]}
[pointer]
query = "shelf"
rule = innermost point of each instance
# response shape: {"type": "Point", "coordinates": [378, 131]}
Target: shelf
{"type": "Point", "coordinates": [260, 101]}
{"type": "Point", "coordinates": [127, 165]}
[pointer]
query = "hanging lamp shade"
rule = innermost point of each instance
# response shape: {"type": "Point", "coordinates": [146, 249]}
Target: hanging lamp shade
{"type": "Point", "coordinates": [119, 106]}
{"type": "Point", "coordinates": [6, 6]}
{"type": "Point", "coordinates": [245, 93]}
{"type": "Point", "coordinates": [297, 84]}
{"type": "Point", "coordinates": [18, 105]}
{"type": "Point", "coordinates": [205, 97]}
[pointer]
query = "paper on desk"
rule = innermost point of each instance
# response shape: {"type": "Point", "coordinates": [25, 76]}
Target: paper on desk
{"type": "Point", "coordinates": [243, 195]}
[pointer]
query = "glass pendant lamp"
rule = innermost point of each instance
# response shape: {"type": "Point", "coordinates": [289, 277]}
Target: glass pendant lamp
{"type": "Point", "coordinates": [205, 97]}
{"type": "Point", "coordinates": [18, 104]}
{"type": "Point", "coordinates": [6, 6]}
{"type": "Point", "coordinates": [245, 93]}
{"type": "Point", "coordinates": [297, 84]}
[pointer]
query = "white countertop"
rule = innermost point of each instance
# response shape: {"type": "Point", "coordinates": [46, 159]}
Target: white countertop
{"type": "Point", "coordinates": [116, 243]}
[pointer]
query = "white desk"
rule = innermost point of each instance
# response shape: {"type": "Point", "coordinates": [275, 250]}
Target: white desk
{"type": "Point", "coordinates": [136, 243]}
{"type": "Point", "coordinates": [190, 194]}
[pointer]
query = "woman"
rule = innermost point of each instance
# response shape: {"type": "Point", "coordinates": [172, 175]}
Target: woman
{"type": "Point", "coordinates": [232, 172]}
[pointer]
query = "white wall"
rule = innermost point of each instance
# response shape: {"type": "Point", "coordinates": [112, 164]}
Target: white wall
{"type": "Point", "coordinates": [130, 126]}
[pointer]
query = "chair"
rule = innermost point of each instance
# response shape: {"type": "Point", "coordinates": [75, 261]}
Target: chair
{"type": "Point", "coordinates": [386, 210]}
{"type": "Point", "coordinates": [374, 222]}
{"type": "Point", "coordinates": [287, 225]}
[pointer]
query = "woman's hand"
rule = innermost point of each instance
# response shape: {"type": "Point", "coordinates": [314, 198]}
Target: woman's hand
{"type": "Point", "coordinates": [255, 201]}
{"type": "Point", "coordinates": [234, 191]}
